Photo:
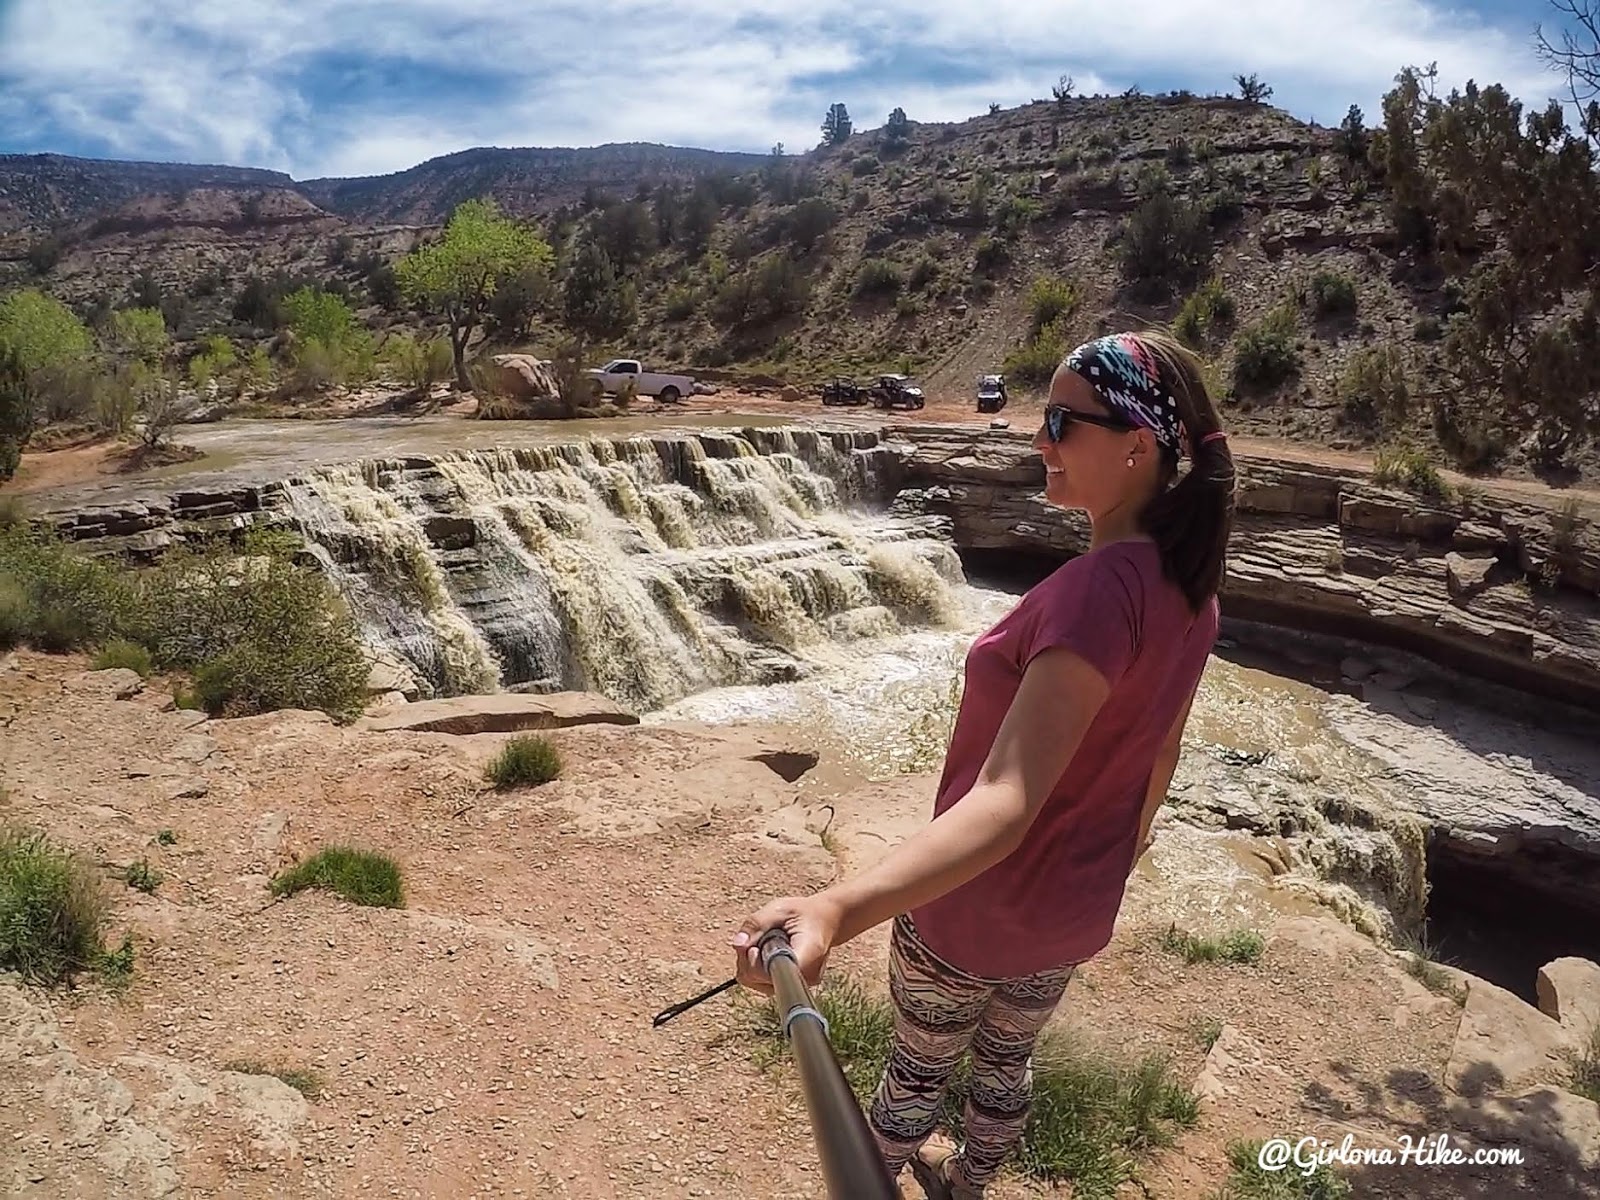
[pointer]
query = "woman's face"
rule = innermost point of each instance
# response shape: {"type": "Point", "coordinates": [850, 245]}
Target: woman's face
{"type": "Point", "coordinates": [1088, 468]}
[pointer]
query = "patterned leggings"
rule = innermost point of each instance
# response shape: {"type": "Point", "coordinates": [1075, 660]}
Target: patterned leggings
{"type": "Point", "coordinates": [940, 1013]}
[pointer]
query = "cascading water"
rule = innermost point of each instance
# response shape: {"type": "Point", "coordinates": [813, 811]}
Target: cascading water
{"type": "Point", "coordinates": [647, 568]}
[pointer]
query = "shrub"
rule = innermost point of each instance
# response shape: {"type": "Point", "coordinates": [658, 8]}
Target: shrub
{"type": "Point", "coordinates": [358, 876]}
{"type": "Point", "coordinates": [259, 633]}
{"type": "Point", "coordinates": [680, 303]}
{"type": "Point", "coordinates": [525, 761]}
{"type": "Point", "coordinates": [1208, 310]}
{"type": "Point", "coordinates": [1333, 294]}
{"type": "Point", "coordinates": [1266, 355]}
{"type": "Point", "coordinates": [1584, 1073]}
{"type": "Point", "coordinates": [1373, 387]}
{"type": "Point", "coordinates": [866, 164]}
{"type": "Point", "coordinates": [877, 276]}
{"type": "Point", "coordinates": [990, 253]}
{"type": "Point", "coordinates": [1409, 468]}
{"type": "Point", "coordinates": [419, 363]}
{"type": "Point", "coordinates": [308, 1083]}
{"type": "Point", "coordinates": [1166, 243]}
{"type": "Point", "coordinates": [125, 655]}
{"type": "Point", "coordinates": [54, 599]}
{"type": "Point", "coordinates": [142, 877]}
{"type": "Point", "coordinates": [923, 272]}
{"type": "Point", "coordinates": [1427, 329]}
{"type": "Point", "coordinates": [52, 909]}
{"type": "Point", "coordinates": [1050, 301]}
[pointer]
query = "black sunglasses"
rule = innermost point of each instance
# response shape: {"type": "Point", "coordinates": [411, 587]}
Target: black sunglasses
{"type": "Point", "coordinates": [1057, 419]}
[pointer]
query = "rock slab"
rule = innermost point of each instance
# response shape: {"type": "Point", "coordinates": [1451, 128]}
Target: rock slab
{"type": "Point", "coordinates": [503, 713]}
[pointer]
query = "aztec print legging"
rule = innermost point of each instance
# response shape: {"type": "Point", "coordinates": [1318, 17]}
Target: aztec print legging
{"type": "Point", "coordinates": [940, 1013]}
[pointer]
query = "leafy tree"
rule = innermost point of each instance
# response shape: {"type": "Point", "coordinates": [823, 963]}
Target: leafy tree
{"type": "Point", "coordinates": [141, 333]}
{"type": "Point", "coordinates": [16, 412]}
{"type": "Point", "coordinates": [318, 316]}
{"type": "Point", "coordinates": [1252, 89]}
{"type": "Point", "coordinates": [459, 274]}
{"type": "Point", "coordinates": [837, 126]}
{"type": "Point", "coordinates": [1353, 141]}
{"type": "Point", "coordinates": [41, 332]}
{"type": "Point", "coordinates": [626, 232]}
{"type": "Point", "coordinates": [699, 221]}
{"type": "Point", "coordinates": [1511, 201]}
{"type": "Point", "coordinates": [146, 292]}
{"type": "Point", "coordinates": [598, 303]}
{"type": "Point", "coordinates": [517, 301]}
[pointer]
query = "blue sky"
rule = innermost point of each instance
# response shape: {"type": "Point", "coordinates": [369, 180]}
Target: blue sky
{"type": "Point", "coordinates": [348, 87]}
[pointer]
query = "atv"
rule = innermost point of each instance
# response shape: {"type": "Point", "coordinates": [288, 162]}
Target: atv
{"type": "Point", "coordinates": [991, 393]}
{"type": "Point", "coordinates": [843, 391]}
{"type": "Point", "coordinates": [896, 391]}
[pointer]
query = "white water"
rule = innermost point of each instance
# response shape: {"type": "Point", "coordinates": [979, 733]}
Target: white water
{"type": "Point", "coordinates": [647, 568]}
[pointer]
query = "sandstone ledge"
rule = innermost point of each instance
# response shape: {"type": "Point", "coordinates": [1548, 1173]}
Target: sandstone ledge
{"type": "Point", "coordinates": [502, 713]}
{"type": "Point", "coordinates": [1493, 587]}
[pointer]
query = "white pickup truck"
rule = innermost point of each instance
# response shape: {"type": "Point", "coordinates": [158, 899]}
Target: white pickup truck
{"type": "Point", "coordinates": [614, 376]}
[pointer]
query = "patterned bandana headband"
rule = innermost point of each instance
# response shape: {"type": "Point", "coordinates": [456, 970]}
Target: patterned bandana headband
{"type": "Point", "coordinates": [1127, 378]}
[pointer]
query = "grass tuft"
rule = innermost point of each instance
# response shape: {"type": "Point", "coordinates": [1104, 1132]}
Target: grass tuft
{"type": "Point", "coordinates": [1251, 1181]}
{"type": "Point", "coordinates": [524, 761]}
{"type": "Point", "coordinates": [52, 913]}
{"type": "Point", "coordinates": [1243, 946]}
{"type": "Point", "coordinates": [142, 877]}
{"type": "Point", "coordinates": [124, 654]}
{"type": "Point", "coordinates": [358, 876]}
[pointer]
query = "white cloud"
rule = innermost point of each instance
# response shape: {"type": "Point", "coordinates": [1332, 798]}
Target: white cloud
{"type": "Point", "coordinates": [257, 82]}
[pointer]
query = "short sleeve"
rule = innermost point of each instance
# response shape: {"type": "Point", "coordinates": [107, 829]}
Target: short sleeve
{"type": "Point", "coordinates": [1091, 606]}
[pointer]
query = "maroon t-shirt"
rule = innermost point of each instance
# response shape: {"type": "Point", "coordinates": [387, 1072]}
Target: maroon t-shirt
{"type": "Point", "coordinates": [1054, 899]}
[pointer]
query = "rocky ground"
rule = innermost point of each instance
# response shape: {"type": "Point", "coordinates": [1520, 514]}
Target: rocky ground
{"type": "Point", "coordinates": [493, 1037]}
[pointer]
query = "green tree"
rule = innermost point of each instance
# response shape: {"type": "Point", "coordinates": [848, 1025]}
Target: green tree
{"type": "Point", "coordinates": [626, 232]}
{"type": "Point", "coordinates": [1353, 140]}
{"type": "Point", "coordinates": [318, 316]}
{"type": "Point", "coordinates": [459, 274]}
{"type": "Point", "coordinates": [1252, 89]}
{"type": "Point", "coordinates": [837, 126]}
{"type": "Point", "coordinates": [598, 303]}
{"type": "Point", "coordinates": [897, 128]}
{"type": "Point", "coordinates": [16, 412]}
{"type": "Point", "coordinates": [41, 331]}
{"type": "Point", "coordinates": [140, 333]}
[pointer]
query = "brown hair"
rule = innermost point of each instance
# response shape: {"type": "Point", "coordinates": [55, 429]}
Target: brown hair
{"type": "Point", "coordinates": [1190, 520]}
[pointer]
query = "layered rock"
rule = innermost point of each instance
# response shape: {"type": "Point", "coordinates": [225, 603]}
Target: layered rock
{"type": "Point", "coordinates": [1504, 590]}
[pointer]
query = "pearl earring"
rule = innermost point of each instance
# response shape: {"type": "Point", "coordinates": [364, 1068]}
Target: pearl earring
{"type": "Point", "coordinates": [1130, 461]}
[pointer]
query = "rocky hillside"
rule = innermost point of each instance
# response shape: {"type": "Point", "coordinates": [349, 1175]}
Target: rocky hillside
{"type": "Point", "coordinates": [41, 190]}
{"type": "Point", "coordinates": [1281, 251]}
{"type": "Point", "coordinates": [526, 181]}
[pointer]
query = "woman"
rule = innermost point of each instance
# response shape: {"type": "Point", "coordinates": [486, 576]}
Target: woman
{"type": "Point", "coordinates": [1063, 749]}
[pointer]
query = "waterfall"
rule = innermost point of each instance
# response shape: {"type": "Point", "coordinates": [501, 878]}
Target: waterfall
{"type": "Point", "coordinates": [646, 568]}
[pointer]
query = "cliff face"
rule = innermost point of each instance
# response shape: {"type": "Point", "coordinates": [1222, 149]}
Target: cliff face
{"type": "Point", "coordinates": [1507, 591]}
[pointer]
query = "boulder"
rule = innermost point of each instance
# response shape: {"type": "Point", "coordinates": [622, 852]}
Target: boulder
{"type": "Point", "coordinates": [791, 393]}
{"type": "Point", "coordinates": [525, 377]}
{"type": "Point", "coordinates": [117, 683]}
{"type": "Point", "coordinates": [1465, 575]}
{"type": "Point", "coordinates": [387, 673]}
{"type": "Point", "coordinates": [1505, 1045]}
{"type": "Point", "coordinates": [1569, 992]}
{"type": "Point", "coordinates": [503, 712]}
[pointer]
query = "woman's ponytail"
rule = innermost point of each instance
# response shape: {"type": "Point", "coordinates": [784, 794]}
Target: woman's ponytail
{"type": "Point", "coordinates": [1191, 520]}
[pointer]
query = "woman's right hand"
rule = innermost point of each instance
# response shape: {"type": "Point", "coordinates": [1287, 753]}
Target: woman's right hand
{"type": "Point", "coordinates": [812, 924]}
